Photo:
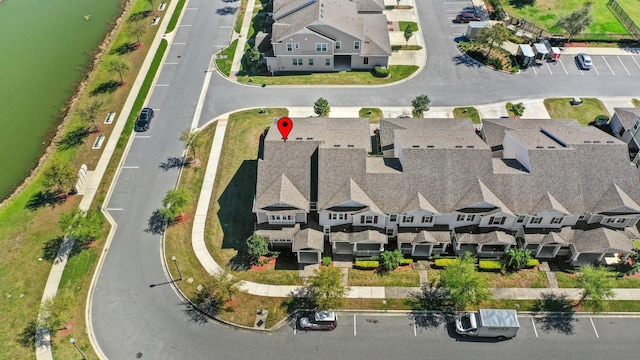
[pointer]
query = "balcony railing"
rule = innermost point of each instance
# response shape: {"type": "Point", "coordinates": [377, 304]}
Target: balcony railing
{"type": "Point", "coordinates": [282, 222]}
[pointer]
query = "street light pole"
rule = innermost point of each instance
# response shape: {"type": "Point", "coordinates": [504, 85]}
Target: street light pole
{"type": "Point", "coordinates": [176, 264]}
{"type": "Point", "coordinates": [73, 341]}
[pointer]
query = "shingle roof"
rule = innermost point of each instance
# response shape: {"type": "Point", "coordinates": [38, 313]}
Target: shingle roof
{"type": "Point", "coordinates": [370, 5]}
{"type": "Point", "coordinates": [417, 236]}
{"type": "Point", "coordinates": [548, 238]}
{"type": "Point", "coordinates": [353, 234]}
{"type": "Point", "coordinates": [493, 237]}
{"type": "Point", "coordinates": [376, 35]}
{"type": "Point", "coordinates": [600, 240]}
{"type": "Point", "coordinates": [493, 130]}
{"type": "Point", "coordinates": [628, 116]}
{"type": "Point", "coordinates": [308, 238]}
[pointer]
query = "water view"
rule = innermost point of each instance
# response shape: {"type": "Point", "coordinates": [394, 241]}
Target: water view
{"type": "Point", "coordinates": [44, 46]}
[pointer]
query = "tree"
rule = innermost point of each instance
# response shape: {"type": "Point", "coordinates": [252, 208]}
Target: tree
{"type": "Point", "coordinates": [495, 35]}
{"type": "Point", "coordinates": [52, 313]}
{"type": "Point", "coordinates": [225, 283]}
{"type": "Point", "coordinates": [420, 105]}
{"type": "Point", "coordinates": [83, 226]}
{"type": "Point", "coordinates": [252, 58]}
{"type": "Point", "coordinates": [518, 109]}
{"type": "Point", "coordinates": [391, 259]}
{"type": "Point", "coordinates": [462, 285]}
{"type": "Point", "coordinates": [89, 112]}
{"type": "Point", "coordinates": [257, 246]}
{"type": "Point", "coordinates": [596, 284]}
{"type": "Point", "coordinates": [137, 28]}
{"type": "Point", "coordinates": [58, 175]}
{"type": "Point", "coordinates": [408, 33]}
{"type": "Point", "coordinates": [516, 259]}
{"type": "Point", "coordinates": [174, 202]}
{"type": "Point", "coordinates": [576, 21]}
{"type": "Point", "coordinates": [190, 140]}
{"type": "Point", "coordinates": [325, 288]}
{"type": "Point", "coordinates": [116, 65]}
{"type": "Point", "coordinates": [152, 3]}
{"type": "Point", "coordinates": [321, 107]}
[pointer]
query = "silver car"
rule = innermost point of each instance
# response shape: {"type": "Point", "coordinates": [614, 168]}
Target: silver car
{"type": "Point", "coordinates": [584, 61]}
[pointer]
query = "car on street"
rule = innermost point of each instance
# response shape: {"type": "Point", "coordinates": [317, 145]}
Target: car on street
{"type": "Point", "coordinates": [466, 17]}
{"type": "Point", "coordinates": [144, 119]}
{"type": "Point", "coordinates": [584, 61]}
{"type": "Point", "coordinates": [319, 320]}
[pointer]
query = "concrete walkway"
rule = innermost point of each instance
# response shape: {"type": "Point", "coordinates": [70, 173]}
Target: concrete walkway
{"type": "Point", "coordinates": [378, 292]}
{"type": "Point", "coordinates": [242, 39]}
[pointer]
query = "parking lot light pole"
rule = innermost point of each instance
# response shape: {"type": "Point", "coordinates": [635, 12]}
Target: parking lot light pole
{"type": "Point", "coordinates": [73, 341]}
{"type": "Point", "coordinates": [177, 267]}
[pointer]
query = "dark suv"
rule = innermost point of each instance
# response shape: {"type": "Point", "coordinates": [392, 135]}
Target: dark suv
{"type": "Point", "coordinates": [466, 17]}
{"type": "Point", "coordinates": [144, 119]}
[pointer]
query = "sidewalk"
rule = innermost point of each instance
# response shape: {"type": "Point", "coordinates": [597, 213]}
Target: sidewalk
{"type": "Point", "coordinates": [536, 110]}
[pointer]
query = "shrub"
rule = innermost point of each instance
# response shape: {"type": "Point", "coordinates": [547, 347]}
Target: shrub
{"type": "Point", "coordinates": [533, 263]}
{"type": "Point", "coordinates": [257, 246]}
{"type": "Point", "coordinates": [490, 265]}
{"type": "Point", "coordinates": [370, 258]}
{"type": "Point", "coordinates": [404, 262]}
{"type": "Point", "coordinates": [326, 260]}
{"type": "Point", "coordinates": [391, 259]}
{"type": "Point", "coordinates": [495, 62]}
{"type": "Point", "coordinates": [516, 259]}
{"type": "Point", "coordinates": [446, 262]}
{"type": "Point", "coordinates": [381, 72]}
{"type": "Point", "coordinates": [367, 265]}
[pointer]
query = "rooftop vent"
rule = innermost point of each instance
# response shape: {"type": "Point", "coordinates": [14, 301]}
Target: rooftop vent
{"type": "Point", "coordinates": [350, 145]}
{"type": "Point", "coordinates": [458, 146]}
{"type": "Point", "coordinates": [551, 147]}
{"type": "Point", "coordinates": [587, 141]}
{"type": "Point", "coordinates": [470, 146]}
{"type": "Point", "coordinates": [610, 141]}
{"type": "Point", "coordinates": [298, 138]}
{"type": "Point", "coordinates": [539, 147]}
{"type": "Point", "coordinates": [309, 138]}
{"type": "Point", "coordinates": [430, 146]}
{"type": "Point", "coordinates": [416, 146]}
{"type": "Point", "coordinates": [336, 145]}
{"type": "Point", "coordinates": [597, 141]}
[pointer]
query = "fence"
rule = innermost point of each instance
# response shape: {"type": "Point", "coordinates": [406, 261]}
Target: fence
{"type": "Point", "coordinates": [624, 18]}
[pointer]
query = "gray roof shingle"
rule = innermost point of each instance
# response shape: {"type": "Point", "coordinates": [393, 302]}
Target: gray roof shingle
{"type": "Point", "coordinates": [628, 116]}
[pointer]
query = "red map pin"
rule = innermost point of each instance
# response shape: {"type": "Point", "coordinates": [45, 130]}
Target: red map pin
{"type": "Point", "coordinates": [285, 125]}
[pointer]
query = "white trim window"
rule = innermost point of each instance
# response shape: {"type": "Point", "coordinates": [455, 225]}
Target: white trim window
{"type": "Point", "coordinates": [369, 219]}
{"type": "Point", "coordinates": [338, 45]}
{"type": "Point", "coordinates": [463, 217]}
{"type": "Point", "coordinates": [327, 62]}
{"type": "Point", "coordinates": [393, 217]}
{"type": "Point", "coordinates": [497, 220]}
{"type": "Point", "coordinates": [297, 61]}
{"type": "Point", "coordinates": [556, 220]}
{"type": "Point", "coordinates": [407, 219]}
{"type": "Point", "coordinates": [311, 62]}
{"type": "Point", "coordinates": [321, 47]}
{"type": "Point", "coordinates": [338, 216]}
{"type": "Point", "coordinates": [356, 45]}
{"type": "Point", "coordinates": [535, 220]}
{"type": "Point", "coordinates": [521, 219]}
{"type": "Point", "coordinates": [289, 47]}
{"type": "Point", "coordinates": [615, 220]}
{"type": "Point", "coordinates": [427, 219]}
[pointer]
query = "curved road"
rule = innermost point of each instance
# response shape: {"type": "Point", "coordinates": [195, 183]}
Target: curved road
{"type": "Point", "coordinates": [132, 319]}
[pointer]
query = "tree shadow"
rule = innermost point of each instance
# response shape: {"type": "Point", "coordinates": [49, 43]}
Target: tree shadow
{"type": "Point", "coordinates": [236, 218]}
{"type": "Point", "coordinates": [156, 223]}
{"type": "Point", "coordinates": [297, 302]}
{"type": "Point", "coordinates": [556, 313]}
{"type": "Point", "coordinates": [205, 306]}
{"type": "Point", "coordinates": [466, 60]}
{"type": "Point", "coordinates": [124, 48]}
{"type": "Point", "coordinates": [140, 15]}
{"type": "Point", "coordinates": [431, 320]}
{"type": "Point", "coordinates": [73, 138]}
{"type": "Point", "coordinates": [106, 87]}
{"type": "Point", "coordinates": [27, 337]}
{"type": "Point", "coordinates": [519, 4]}
{"type": "Point", "coordinates": [430, 298]}
{"type": "Point", "coordinates": [227, 10]}
{"type": "Point", "coordinates": [174, 162]}
{"type": "Point", "coordinates": [45, 197]}
{"type": "Point", "coordinates": [51, 247]}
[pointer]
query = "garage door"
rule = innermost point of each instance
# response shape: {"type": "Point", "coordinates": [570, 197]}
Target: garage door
{"type": "Point", "coordinates": [344, 248]}
{"type": "Point", "coordinates": [308, 257]}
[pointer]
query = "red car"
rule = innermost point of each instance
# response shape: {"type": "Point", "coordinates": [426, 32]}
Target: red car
{"type": "Point", "coordinates": [467, 17]}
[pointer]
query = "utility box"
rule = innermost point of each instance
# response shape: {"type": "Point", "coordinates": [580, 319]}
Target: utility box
{"type": "Point", "coordinates": [525, 55]}
{"type": "Point", "coordinates": [474, 26]}
{"type": "Point", "coordinates": [498, 323]}
{"type": "Point", "coordinates": [541, 51]}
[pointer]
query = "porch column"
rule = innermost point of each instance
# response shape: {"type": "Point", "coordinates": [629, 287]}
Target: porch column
{"type": "Point", "coordinates": [478, 248]}
{"type": "Point", "coordinates": [381, 248]}
{"type": "Point", "coordinates": [413, 249]}
{"type": "Point", "coordinates": [624, 257]}
{"type": "Point", "coordinates": [298, 256]}
{"type": "Point", "coordinates": [555, 251]}
{"type": "Point", "coordinates": [319, 257]}
{"type": "Point", "coordinates": [430, 250]}
{"type": "Point", "coordinates": [574, 257]}
{"type": "Point", "coordinates": [601, 257]}
{"type": "Point", "coordinates": [507, 247]}
{"type": "Point", "coordinates": [538, 249]}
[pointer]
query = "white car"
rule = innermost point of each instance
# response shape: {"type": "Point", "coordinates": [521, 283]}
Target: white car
{"type": "Point", "coordinates": [319, 320]}
{"type": "Point", "coordinates": [584, 61]}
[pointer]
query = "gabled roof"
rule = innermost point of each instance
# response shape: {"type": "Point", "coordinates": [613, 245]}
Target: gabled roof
{"type": "Point", "coordinates": [417, 236]}
{"type": "Point", "coordinates": [601, 239]}
{"type": "Point", "coordinates": [493, 237]}
{"type": "Point", "coordinates": [370, 5]}
{"type": "Point", "coordinates": [546, 203]}
{"type": "Point", "coordinates": [283, 193]}
{"type": "Point", "coordinates": [628, 116]}
{"type": "Point", "coordinates": [493, 130]}
{"type": "Point", "coordinates": [354, 234]}
{"type": "Point", "coordinates": [352, 192]}
{"type": "Point", "coordinates": [547, 238]}
{"type": "Point", "coordinates": [616, 200]}
{"type": "Point", "coordinates": [376, 35]}
{"type": "Point", "coordinates": [419, 202]}
{"type": "Point", "coordinates": [308, 239]}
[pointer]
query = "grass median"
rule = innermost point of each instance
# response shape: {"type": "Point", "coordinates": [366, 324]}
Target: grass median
{"type": "Point", "coordinates": [561, 108]}
{"type": "Point", "coordinates": [356, 77]}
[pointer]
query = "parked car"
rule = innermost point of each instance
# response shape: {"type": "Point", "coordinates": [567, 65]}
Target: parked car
{"type": "Point", "coordinates": [319, 320]}
{"type": "Point", "coordinates": [499, 323]}
{"type": "Point", "coordinates": [467, 17]}
{"type": "Point", "coordinates": [144, 119]}
{"type": "Point", "coordinates": [584, 61]}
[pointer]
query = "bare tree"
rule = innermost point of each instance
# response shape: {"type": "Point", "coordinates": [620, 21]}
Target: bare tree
{"type": "Point", "coordinates": [576, 21]}
{"type": "Point", "coordinates": [89, 112]}
{"type": "Point", "coordinates": [117, 65]}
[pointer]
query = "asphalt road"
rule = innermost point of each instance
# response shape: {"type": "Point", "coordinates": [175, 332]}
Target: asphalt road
{"type": "Point", "coordinates": [130, 316]}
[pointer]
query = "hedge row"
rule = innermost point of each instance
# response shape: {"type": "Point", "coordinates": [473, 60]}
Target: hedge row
{"type": "Point", "coordinates": [533, 263]}
{"type": "Point", "coordinates": [446, 262]}
{"type": "Point", "coordinates": [366, 265]}
{"type": "Point", "coordinates": [490, 265]}
{"type": "Point", "coordinates": [404, 262]}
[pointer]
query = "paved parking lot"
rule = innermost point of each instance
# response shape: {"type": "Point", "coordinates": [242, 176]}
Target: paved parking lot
{"type": "Point", "coordinates": [452, 9]}
{"type": "Point", "coordinates": [603, 65]}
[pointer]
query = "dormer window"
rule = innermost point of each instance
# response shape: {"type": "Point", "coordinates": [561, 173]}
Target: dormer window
{"type": "Point", "coordinates": [497, 220]}
{"type": "Point", "coordinates": [356, 45]}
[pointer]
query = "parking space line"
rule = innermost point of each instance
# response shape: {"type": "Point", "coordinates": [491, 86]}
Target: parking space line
{"type": "Point", "coordinates": [186, 25]}
{"type": "Point", "coordinates": [171, 63]}
{"type": "Point", "coordinates": [534, 327]}
{"type": "Point", "coordinates": [548, 68]}
{"type": "Point", "coordinates": [114, 209]}
{"type": "Point", "coordinates": [295, 329]}
{"type": "Point", "coordinates": [594, 327]}
{"type": "Point", "coordinates": [594, 68]}
{"type": "Point", "coordinates": [565, 69]}
{"type": "Point", "coordinates": [131, 167]}
{"type": "Point", "coordinates": [162, 84]}
{"type": "Point", "coordinates": [625, 68]}
{"type": "Point", "coordinates": [415, 328]}
{"type": "Point", "coordinates": [534, 70]}
{"type": "Point", "coordinates": [143, 136]}
{"type": "Point", "coordinates": [354, 325]}
{"type": "Point", "coordinates": [177, 43]}
{"type": "Point", "coordinates": [610, 69]}
{"type": "Point", "coordinates": [634, 60]}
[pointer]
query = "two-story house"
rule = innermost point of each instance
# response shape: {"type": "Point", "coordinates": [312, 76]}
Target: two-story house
{"type": "Point", "coordinates": [328, 35]}
{"type": "Point", "coordinates": [625, 125]}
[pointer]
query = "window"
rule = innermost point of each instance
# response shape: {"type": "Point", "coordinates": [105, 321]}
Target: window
{"type": "Point", "coordinates": [520, 219]}
{"type": "Point", "coordinates": [356, 45]}
{"type": "Point", "coordinates": [297, 61]}
{"type": "Point", "coordinates": [365, 61]}
{"type": "Point", "coordinates": [636, 125]}
{"type": "Point", "coordinates": [556, 220]}
{"type": "Point", "coordinates": [335, 216]}
{"type": "Point", "coordinates": [615, 220]}
{"type": "Point", "coordinates": [497, 220]}
{"type": "Point", "coordinates": [369, 219]}
{"type": "Point", "coordinates": [407, 219]}
{"type": "Point", "coordinates": [296, 46]}
{"type": "Point", "coordinates": [535, 220]}
{"type": "Point", "coordinates": [427, 219]}
{"type": "Point", "coordinates": [310, 61]}
{"type": "Point", "coordinates": [289, 47]}
{"type": "Point", "coordinates": [327, 62]}
{"type": "Point", "coordinates": [393, 217]}
{"type": "Point", "coordinates": [280, 217]}
{"type": "Point", "coordinates": [342, 216]}
{"type": "Point", "coordinates": [621, 132]}
{"type": "Point", "coordinates": [582, 217]}
{"type": "Point", "coordinates": [321, 47]}
{"type": "Point", "coordinates": [466, 217]}
{"type": "Point", "coordinates": [338, 45]}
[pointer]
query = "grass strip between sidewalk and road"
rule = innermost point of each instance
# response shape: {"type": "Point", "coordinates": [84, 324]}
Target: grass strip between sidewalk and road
{"type": "Point", "coordinates": [355, 77]}
{"type": "Point", "coordinates": [561, 108]}
{"type": "Point", "coordinates": [468, 113]}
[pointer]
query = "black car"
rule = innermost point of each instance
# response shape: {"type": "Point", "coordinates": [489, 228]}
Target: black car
{"type": "Point", "coordinates": [144, 119]}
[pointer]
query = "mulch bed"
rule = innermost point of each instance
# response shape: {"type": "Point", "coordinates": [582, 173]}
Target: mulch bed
{"type": "Point", "coordinates": [269, 265]}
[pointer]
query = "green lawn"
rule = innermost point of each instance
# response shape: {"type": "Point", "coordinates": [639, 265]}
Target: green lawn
{"type": "Point", "coordinates": [632, 8]}
{"type": "Point", "coordinates": [467, 112]}
{"type": "Point", "coordinates": [374, 114]}
{"type": "Point", "coordinates": [569, 281]}
{"type": "Point", "coordinates": [405, 47]}
{"type": "Point", "coordinates": [403, 25]}
{"type": "Point", "coordinates": [397, 72]}
{"type": "Point", "coordinates": [560, 108]}
{"type": "Point", "coordinates": [225, 58]}
{"type": "Point", "coordinates": [636, 244]}
{"type": "Point", "coordinates": [545, 14]}
{"type": "Point", "coordinates": [400, 277]}
{"type": "Point", "coordinates": [528, 278]}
